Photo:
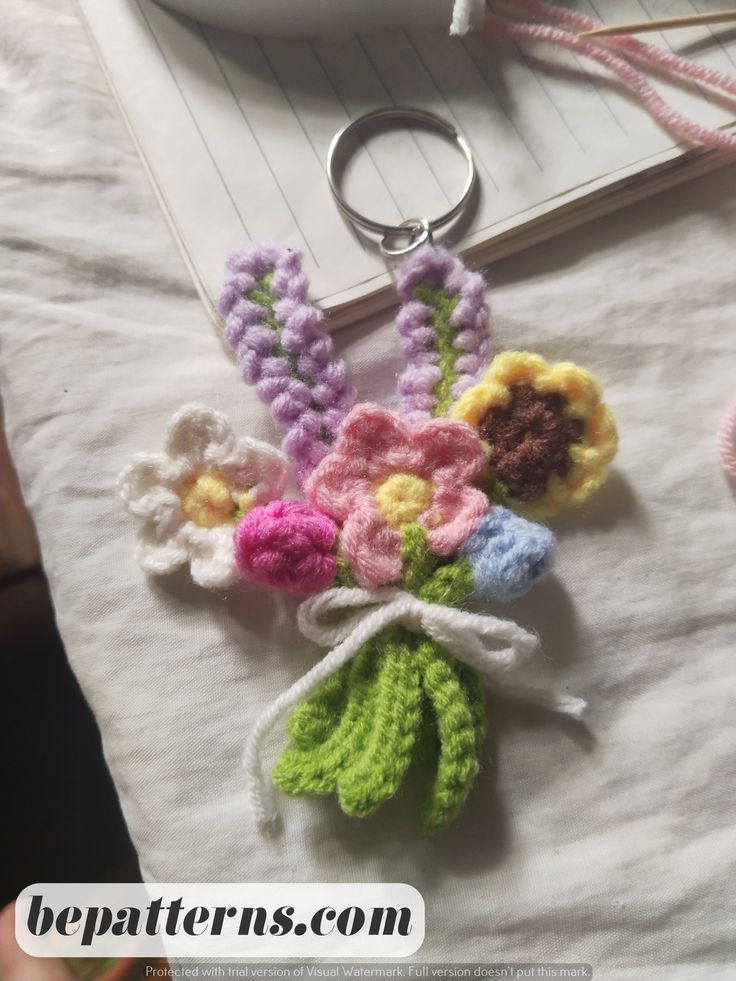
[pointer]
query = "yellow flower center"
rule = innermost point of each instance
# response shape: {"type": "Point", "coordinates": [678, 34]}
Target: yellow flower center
{"type": "Point", "coordinates": [206, 500]}
{"type": "Point", "coordinates": [402, 497]}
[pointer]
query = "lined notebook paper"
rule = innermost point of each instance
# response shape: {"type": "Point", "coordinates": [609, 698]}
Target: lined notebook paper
{"type": "Point", "coordinates": [234, 131]}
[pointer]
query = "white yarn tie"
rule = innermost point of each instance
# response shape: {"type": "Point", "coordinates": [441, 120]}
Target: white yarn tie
{"type": "Point", "coordinates": [467, 636]}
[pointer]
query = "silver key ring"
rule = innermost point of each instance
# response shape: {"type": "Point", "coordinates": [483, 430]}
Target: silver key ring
{"type": "Point", "coordinates": [420, 230]}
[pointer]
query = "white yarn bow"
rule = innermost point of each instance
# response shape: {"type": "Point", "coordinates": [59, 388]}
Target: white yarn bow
{"type": "Point", "coordinates": [467, 636]}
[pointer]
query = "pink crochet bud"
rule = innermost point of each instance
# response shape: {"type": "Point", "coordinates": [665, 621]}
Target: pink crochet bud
{"type": "Point", "coordinates": [288, 545]}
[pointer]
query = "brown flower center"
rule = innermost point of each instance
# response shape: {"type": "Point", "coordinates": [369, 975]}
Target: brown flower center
{"type": "Point", "coordinates": [530, 440]}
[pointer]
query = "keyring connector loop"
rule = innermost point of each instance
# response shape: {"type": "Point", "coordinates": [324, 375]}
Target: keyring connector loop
{"type": "Point", "coordinates": [419, 234]}
{"type": "Point", "coordinates": [425, 227]}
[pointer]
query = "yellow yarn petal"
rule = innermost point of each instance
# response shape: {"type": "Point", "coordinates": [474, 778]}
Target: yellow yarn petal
{"type": "Point", "coordinates": [589, 457]}
{"type": "Point", "coordinates": [516, 368]}
{"type": "Point", "coordinates": [476, 402]}
{"type": "Point", "coordinates": [579, 387]}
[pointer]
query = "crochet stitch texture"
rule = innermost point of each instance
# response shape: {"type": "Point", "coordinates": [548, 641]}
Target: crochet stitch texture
{"type": "Point", "coordinates": [189, 498]}
{"type": "Point", "coordinates": [406, 518]}
{"type": "Point", "coordinates": [508, 555]}
{"type": "Point", "coordinates": [287, 545]}
{"type": "Point", "coordinates": [402, 699]}
{"type": "Point", "coordinates": [367, 481]}
{"type": "Point", "coordinates": [443, 325]}
{"type": "Point", "coordinates": [548, 433]}
{"type": "Point", "coordinates": [275, 333]}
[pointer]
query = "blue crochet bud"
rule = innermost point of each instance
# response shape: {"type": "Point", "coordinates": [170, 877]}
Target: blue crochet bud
{"type": "Point", "coordinates": [508, 555]}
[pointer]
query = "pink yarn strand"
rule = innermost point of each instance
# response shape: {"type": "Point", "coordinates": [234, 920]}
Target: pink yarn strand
{"type": "Point", "coordinates": [667, 63]}
{"type": "Point", "coordinates": [727, 441]}
{"type": "Point", "coordinates": [680, 126]}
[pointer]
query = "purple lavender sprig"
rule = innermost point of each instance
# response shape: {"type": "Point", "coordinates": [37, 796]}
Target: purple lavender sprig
{"type": "Point", "coordinates": [445, 334]}
{"type": "Point", "coordinates": [275, 333]}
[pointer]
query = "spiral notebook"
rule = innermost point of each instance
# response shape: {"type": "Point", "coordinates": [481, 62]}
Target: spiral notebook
{"type": "Point", "coordinates": [234, 132]}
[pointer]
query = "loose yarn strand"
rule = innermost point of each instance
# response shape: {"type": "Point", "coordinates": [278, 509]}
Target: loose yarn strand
{"type": "Point", "coordinates": [667, 63]}
{"type": "Point", "coordinates": [672, 120]}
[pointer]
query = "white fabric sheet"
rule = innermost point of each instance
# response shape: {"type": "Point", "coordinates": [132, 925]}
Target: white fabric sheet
{"type": "Point", "coordinates": [612, 845]}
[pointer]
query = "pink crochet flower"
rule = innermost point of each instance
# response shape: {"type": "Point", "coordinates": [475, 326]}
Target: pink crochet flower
{"type": "Point", "coordinates": [288, 545]}
{"type": "Point", "coordinates": [384, 473]}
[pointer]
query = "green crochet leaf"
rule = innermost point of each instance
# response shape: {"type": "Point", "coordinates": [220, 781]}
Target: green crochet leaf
{"type": "Point", "coordinates": [315, 719]}
{"type": "Point", "coordinates": [475, 694]}
{"type": "Point", "coordinates": [427, 746]}
{"type": "Point", "coordinates": [376, 774]}
{"type": "Point", "coordinates": [315, 769]}
{"type": "Point", "coordinates": [455, 713]}
{"type": "Point", "coordinates": [401, 701]}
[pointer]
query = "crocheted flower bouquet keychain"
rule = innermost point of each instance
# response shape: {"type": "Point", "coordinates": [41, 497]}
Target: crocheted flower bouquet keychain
{"type": "Point", "coordinates": [405, 518]}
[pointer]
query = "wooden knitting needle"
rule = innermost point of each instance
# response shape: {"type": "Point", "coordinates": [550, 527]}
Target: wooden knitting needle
{"type": "Point", "coordinates": [691, 20]}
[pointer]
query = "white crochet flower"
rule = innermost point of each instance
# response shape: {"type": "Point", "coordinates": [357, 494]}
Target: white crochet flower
{"type": "Point", "coordinates": [191, 497]}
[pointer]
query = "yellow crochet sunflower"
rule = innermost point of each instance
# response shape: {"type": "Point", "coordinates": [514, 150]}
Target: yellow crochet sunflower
{"type": "Point", "coordinates": [549, 436]}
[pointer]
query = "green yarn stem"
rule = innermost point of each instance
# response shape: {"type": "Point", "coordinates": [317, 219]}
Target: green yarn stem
{"type": "Point", "coordinates": [344, 575]}
{"type": "Point", "coordinates": [473, 687]}
{"type": "Point", "coordinates": [316, 718]}
{"type": "Point", "coordinates": [402, 700]}
{"type": "Point", "coordinates": [262, 296]}
{"type": "Point", "coordinates": [426, 746]}
{"type": "Point", "coordinates": [443, 307]}
{"type": "Point", "coordinates": [497, 491]}
{"type": "Point", "coordinates": [450, 585]}
{"type": "Point", "coordinates": [417, 561]}
{"type": "Point", "coordinates": [458, 762]}
{"type": "Point", "coordinates": [377, 773]}
{"type": "Point", "coordinates": [315, 769]}
{"type": "Point", "coordinates": [426, 576]}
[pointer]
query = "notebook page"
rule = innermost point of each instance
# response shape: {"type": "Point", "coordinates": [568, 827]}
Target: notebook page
{"type": "Point", "coordinates": [235, 130]}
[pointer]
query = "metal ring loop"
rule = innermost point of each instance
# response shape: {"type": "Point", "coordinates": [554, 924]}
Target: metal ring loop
{"type": "Point", "coordinates": [427, 226]}
{"type": "Point", "coordinates": [419, 234]}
